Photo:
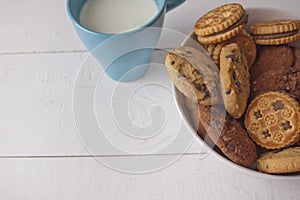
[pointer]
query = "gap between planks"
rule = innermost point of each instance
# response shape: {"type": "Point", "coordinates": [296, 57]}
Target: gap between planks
{"type": "Point", "coordinates": [93, 156]}
{"type": "Point", "coordinates": [42, 52]}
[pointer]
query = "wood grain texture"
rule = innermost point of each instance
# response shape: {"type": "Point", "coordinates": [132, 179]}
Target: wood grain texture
{"type": "Point", "coordinates": [36, 26]}
{"type": "Point", "coordinates": [36, 107]}
{"type": "Point", "coordinates": [190, 178]}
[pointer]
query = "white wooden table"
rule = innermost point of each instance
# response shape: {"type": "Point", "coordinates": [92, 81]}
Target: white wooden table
{"type": "Point", "coordinates": [41, 153]}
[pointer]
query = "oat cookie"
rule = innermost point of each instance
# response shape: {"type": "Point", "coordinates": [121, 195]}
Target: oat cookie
{"type": "Point", "coordinates": [285, 161]}
{"type": "Point", "coordinates": [234, 76]}
{"type": "Point", "coordinates": [273, 120]}
{"type": "Point", "coordinates": [228, 135]}
{"type": "Point", "coordinates": [194, 74]}
{"type": "Point", "coordinates": [275, 32]}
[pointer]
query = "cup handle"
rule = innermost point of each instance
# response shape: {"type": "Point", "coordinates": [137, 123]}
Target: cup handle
{"type": "Point", "coordinates": [173, 4]}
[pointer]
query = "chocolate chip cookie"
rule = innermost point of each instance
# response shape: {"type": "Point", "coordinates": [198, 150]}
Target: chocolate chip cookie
{"type": "Point", "coordinates": [277, 162]}
{"type": "Point", "coordinates": [194, 74]}
{"type": "Point", "coordinates": [243, 39]}
{"type": "Point", "coordinates": [234, 76]}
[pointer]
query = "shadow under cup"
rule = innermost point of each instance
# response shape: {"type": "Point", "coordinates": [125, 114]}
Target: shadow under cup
{"type": "Point", "coordinates": [125, 56]}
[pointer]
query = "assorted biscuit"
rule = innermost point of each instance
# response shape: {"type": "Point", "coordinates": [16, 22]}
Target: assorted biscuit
{"type": "Point", "coordinates": [228, 135]}
{"type": "Point", "coordinates": [244, 94]}
{"type": "Point", "coordinates": [234, 79]}
{"type": "Point", "coordinates": [275, 32]}
{"type": "Point", "coordinates": [195, 78]}
{"type": "Point", "coordinates": [221, 23]}
{"type": "Point", "coordinates": [284, 74]}
{"type": "Point", "coordinates": [243, 39]}
{"type": "Point", "coordinates": [272, 120]}
{"type": "Point", "coordinates": [284, 161]}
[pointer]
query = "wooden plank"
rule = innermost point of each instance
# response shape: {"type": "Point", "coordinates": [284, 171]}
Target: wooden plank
{"type": "Point", "coordinates": [36, 26]}
{"type": "Point", "coordinates": [190, 178]}
{"type": "Point", "coordinates": [43, 26]}
{"type": "Point", "coordinates": [37, 116]}
{"type": "Point", "coordinates": [36, 103]}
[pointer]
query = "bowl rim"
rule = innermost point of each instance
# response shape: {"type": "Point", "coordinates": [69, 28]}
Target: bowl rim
{"type": "Point", "coordinates": [212, 151]}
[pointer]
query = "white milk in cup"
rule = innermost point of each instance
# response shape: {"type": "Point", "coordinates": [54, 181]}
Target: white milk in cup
{"type": "Point", "coordinates": [116, 16]}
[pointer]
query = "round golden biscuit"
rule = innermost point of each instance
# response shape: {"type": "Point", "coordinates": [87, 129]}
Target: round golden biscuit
{"type": "Point", "coordinates": [274, 26]}
{"type": "Point", "coordinates": [273, 120]}
{"type": "Point", "coordinates": [277, 41]}
{"type": "Point", "coordinates": [213, 39]}
{"type": "Point", "coordinates": [218, 19]}
{"type": "Point", "coordinates": [285, 161]}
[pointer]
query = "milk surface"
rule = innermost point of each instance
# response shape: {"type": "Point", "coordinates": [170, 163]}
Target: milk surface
{"type": "Point", "coordinates": [116, 16]}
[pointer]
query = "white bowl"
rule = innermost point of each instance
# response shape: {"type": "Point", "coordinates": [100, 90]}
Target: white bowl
{"type": "Point", "coordinates": [255, 14]}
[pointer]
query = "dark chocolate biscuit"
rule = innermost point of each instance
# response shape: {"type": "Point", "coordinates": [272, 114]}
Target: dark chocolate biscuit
{"type": "Point", "coordinates": [277, 80]}
{"type": "Point", "coordinates": [230, 137]}
{"type": "Point", "coordinates": [270, 58]}
{"type": "Point", "coordinates": [296, 66]}
{"type": "Point", "coordinates": [285, 78]}
{"type": "Point", "coordinates": [298, 143]}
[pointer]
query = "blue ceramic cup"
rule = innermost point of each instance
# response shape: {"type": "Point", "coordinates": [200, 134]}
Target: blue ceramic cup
{"type": "Point", "coordinates": [124, 56]}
